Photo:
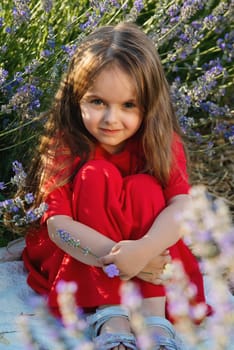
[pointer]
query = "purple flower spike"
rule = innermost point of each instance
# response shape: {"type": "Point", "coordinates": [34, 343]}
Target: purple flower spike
{"type": "Point", "coordinates": [111, 270]}
{"type": "Point", "coordinates": [2, 186]}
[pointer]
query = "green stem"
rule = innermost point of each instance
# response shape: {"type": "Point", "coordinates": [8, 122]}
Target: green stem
{"type": "Point", "coordinates": [17, 144]}
{"type": "Point", "coordinates": [19, 127]}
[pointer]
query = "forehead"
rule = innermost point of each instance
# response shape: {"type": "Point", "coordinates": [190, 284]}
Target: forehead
{"type": "Point", "coordinates": [113, 79]}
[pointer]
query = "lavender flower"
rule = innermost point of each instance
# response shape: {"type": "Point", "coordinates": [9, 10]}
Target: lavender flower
{"type": "Point", "coordinates": [66, 237]}
{"type": "Point", "coordinates": [46, 53]}
{"type": "Point", "coordinates": [30, 216]}
{"type": "Point", "coordinates": [3, 75]}
{"type": "Point", "coordinates": [47, 5]}
{"type": "Point", "coordinates": [69, 49]}
{"type": "Point", "coordinates": [189, 37]}
{"type": "Point", "coordinates": [31, 67]}
{"type": "Point", "coordinates": [2, 186]}
{"type": "Point", "coordinates": [226, 44]}
{"type": "Point", "coordinates": [214, 110]}
{"type": "Point", "coordinates": [139, 5]}
{"type": "Point", "coordinates": [226, 130]}
{"type": "Point", "coordinates": [20, 175]}
{"type": "Point", "coordinates": [92, 21]}
{"type": "Point", "coordinates": [72, 316]}
{"type": "Point", "coordinates": [17, 167]}
{"type": "Point", "coordinates": [173, 10]}
{"type": "Point", "coordinates": [181, 294]}
{"type": "Point", "coordinates": [29, 198]}
{"type": "Point", "coordinates": [21, 11]}
{"type": "Point", "coordinates": [70, 335]}
{"type": "Point", "coordinates": [229, 134]}
{"type": "Point", "coordinates": [25, 100]}
{"type": "Point", "coordinates": [111, 270]}
{"type": "Point", "coordinates": [131, 296]}
{"type": "Point", "coordinates": [18, 77]}
{"type": "Point", "coordinates": [181, 102]}
{"type": "Point", "coordinates": [190, 7]}
{"type": "Point", "coordinates": [8, 30]}
{"type": "Point", "coordinates": [10, 205]}
{"type": "Point", "coordinates": [17, 207]}
{"type": "Point", "coordinates": [23, 217]}
{"type": "Point", "coordinates": [115, 3]}
{"type": "Point", "coordinates": [208, 223]}
{"type": "Point", "coordinates": [210, 21]}
{"type": "Point", "coordinates": [205, 83]}
{"type": "Point", "coordinates": [67, 304]}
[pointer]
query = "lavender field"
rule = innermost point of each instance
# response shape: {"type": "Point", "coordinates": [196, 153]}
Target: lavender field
{"type": "Point", "coordinates": [195, 40]}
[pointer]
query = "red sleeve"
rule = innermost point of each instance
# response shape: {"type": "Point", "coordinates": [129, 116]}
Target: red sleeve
{"type": "Point", "coordinates": [178, 181]}
{"type": "Point", "coordinates": [59, 202]}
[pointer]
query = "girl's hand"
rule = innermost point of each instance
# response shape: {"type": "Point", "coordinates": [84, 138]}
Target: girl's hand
{"type": "Point", "coordinates": [153, 271]}
{"type": "Point", "coordinates": [130, 258]}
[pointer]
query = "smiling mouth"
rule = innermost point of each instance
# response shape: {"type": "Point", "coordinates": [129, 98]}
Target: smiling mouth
{"type": "Point", "coordinates": [109, 131]}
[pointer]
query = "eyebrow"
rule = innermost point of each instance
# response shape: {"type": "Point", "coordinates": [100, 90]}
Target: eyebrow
{"type": "Point", "coordinates": [95, 95]}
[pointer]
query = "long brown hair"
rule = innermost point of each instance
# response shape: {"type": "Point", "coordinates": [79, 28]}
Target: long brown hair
{"type": "Point", "coordinates": [65, 135]}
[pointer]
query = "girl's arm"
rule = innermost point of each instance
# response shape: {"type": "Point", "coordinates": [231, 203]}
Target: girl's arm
{"type": "Point", "coordinates": [98, 244]}
{"type": "Point", "coordinates": [166, 229]}
{"type": "Point", "coordinates": [132, 256]}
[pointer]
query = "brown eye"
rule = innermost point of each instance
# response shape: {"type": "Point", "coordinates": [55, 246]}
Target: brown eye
{"type": "Point", "coordinates": [97, 101]}
{"type": "Point", "coordinates": [129, 105]}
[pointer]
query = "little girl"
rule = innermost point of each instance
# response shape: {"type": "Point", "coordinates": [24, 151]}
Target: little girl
{"type": "Point", "coordinates": [112, 169]}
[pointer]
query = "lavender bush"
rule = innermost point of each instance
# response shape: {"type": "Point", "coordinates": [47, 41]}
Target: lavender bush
{"type": "Point", "coordinates": [195, 42]}
{"type": "Point", "coordinates": [17, 211]}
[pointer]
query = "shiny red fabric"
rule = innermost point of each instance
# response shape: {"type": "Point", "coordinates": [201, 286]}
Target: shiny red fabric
{"type": "Point", "coordinates": [110, 195]}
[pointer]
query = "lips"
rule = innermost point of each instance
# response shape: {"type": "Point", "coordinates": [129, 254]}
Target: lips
{"type": "Point", "coordinates": [109, 131]}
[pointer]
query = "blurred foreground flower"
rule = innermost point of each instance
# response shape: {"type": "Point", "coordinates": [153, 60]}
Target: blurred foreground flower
{"type": "Point", "coordinates": [185, 311]}
{"type": "Point", "coordinates": [44, 331]}
{"type": "Point", "coordinates": [209, 232]}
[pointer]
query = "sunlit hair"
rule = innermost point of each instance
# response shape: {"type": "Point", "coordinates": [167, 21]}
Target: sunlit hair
{"type": "Point", "coordinates": [66, 137]}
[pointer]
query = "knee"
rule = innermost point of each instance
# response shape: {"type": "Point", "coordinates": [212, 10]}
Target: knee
{"type": "Point", "coordinates": [146, 186]}
{"type": "Point", "coordinates": [99, 167]}
{"type": "Point", "coordinates": [145, 182]}
{"type": "Point", "coordinates": [96, 171]}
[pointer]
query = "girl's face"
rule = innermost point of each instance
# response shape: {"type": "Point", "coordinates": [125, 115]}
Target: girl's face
{"type": "Point", "coordinates": [110, 110]}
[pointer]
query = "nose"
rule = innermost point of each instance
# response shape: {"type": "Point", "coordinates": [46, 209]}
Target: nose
{"type": "Point", "coordinates": [110, 115]}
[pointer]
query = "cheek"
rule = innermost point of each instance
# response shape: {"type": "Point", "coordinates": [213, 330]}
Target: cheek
{"type": "Point", "coordinates": [136, 123]}
{"type": "Point", "coordinates": [86, 115]}
{"type": "Point", "coordinates": [84, 111]}
{"type": "Point", "coordinates": [140, 121]}
{"type": "Point", "coordinates": [90, 117]}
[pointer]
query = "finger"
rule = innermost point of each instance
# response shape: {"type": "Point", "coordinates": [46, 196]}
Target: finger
{"type": "Point", "coordinates": [168, 259]}
{"type": "Point", "coordinates": [167, 272]}
{"type": "Point", "coordinates": [157, 281]}
{"type": "Point", "coordinates": [166, 252]}
{"type": "Point", "coordinates": [148, 277]}
{"type": "Point", "coordinates": [106, 260]}
{"type": "Point", "coordinates": [115, 249]}
{"type": "Point", "coordinates": [159, 265]}
{"type": "Point", "coordinates": [124, 277]}
{"type": "Point", "coordinates": [165, 259]}
{"type": "Point", "coordinates": [150, 274]}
